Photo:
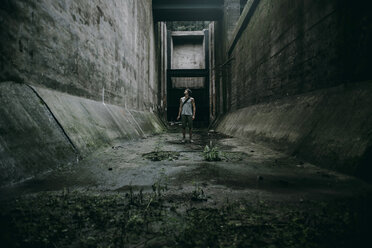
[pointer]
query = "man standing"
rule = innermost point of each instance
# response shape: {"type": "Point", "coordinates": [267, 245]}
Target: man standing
{"type": "Point", "coordinates": [187, 113]}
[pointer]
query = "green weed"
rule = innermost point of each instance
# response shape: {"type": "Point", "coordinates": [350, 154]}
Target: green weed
{"type": "Point", "coordinates": [198, 193]}
{"type": "Point", "coordinates": [211, 154]}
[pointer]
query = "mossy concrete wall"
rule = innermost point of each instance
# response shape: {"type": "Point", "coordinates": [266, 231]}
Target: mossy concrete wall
{"type": "Point", "coordinates": [298, 77]}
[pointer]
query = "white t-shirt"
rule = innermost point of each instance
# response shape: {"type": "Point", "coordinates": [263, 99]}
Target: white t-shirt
{"type": "Point", "coordinates": [187, 107]}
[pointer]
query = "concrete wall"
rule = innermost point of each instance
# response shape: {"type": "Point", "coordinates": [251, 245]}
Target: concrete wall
{"type": "Point", "coordinates": [299, 78]}
{"type": "Point", "coordinates": [31, 141]}
{"type": "Point", "coordinates": [188, 50]}
{"type": "Point", "coordinates": [330, 127]}
{"type": "Point", "coordinates": [292, 47]}
{"type": "Point", "coordinates": [42, 129]}
{"type": "Point", "coordinates": [81, 47]}
{"type": "Point", "coordinates": [231, 14]}
{"type": "Point", "coordinates": [162, 58]}
{"type": "Point", "coordinates": [85, 76]}
{"type": "Point", "coordinates": [188, 82]}
{"type": "Point", "coordinates": [222, 32]}
{"type": "Point", "coordinates": [188, 56]}
{"type": "Point", "coordinates": [91, 124]}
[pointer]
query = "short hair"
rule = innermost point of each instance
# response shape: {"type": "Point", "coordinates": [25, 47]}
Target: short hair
{"type": "Point", "coordinates": [189, 91]}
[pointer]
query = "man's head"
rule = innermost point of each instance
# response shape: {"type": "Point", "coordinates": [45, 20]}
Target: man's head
{"type": "Point", "coordinates": [187, 92]}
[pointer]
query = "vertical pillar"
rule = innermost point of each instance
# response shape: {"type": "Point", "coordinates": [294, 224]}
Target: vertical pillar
{"type": "Point", "coordinates": [212, 74]}
{"type": "Point", "coordinates": [169, 66]}
{"type": "Point", "coordinates": [230, 17]}
{"type": "Point", "coordinates": [207, 78]}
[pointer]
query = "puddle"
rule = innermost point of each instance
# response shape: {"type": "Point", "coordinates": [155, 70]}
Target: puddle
{"type": "Point", "coordinates": [241, 176]}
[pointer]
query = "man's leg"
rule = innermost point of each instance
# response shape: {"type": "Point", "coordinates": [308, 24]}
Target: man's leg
{"type": "Point", "coordinates": [190, 127]}
{"type": "Point", "coordinates": [183, 119]}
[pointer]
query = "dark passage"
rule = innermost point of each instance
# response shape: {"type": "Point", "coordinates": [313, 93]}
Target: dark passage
{"type": "Point", "coordinates": [91, 154]}
{"type": "Point", "coordinates": [188, 60]}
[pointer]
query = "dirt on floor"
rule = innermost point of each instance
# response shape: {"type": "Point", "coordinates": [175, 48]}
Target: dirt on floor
{"type": "Point", "coordinates": [219, 191]}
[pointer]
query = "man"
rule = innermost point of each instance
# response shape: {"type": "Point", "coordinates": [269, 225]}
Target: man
{"type": "Point", "coordinates": [187, 113]}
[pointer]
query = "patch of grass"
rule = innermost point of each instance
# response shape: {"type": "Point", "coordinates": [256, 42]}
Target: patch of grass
{"type": "Point", "coordinates": [74, 219]}
{"type": "Point", "coordinates": [161, 185]}
{"type": "Point", "coordinates": [198, 193]}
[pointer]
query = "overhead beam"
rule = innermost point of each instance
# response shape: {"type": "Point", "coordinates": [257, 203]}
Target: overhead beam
{"type": "Point", "coordinates": [188, 72]}
{"type": "Point", "coordinates": [187, 10]}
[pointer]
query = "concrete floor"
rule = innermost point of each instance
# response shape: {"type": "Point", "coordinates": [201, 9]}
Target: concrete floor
{"type": "Point", "coordinates": [247, 171]}
{"type": "Point", "coordinates": [253, 197]}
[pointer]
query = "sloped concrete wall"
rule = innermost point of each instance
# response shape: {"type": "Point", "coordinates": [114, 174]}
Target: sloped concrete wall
{"type": "Point", "coordinates": [42, 129]}
{"type": "Point", "coordinates": [331, 127]}
{"type": "Point", "coordinates": [31, 141]}
{"type": "Point", "coordinates": [91, 124]}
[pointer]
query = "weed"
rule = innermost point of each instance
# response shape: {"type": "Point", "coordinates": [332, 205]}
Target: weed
{"type": "Point", "coordinates": [73, 219]}
{"type": "Point", "coordinates": [161, 184]}
{"type": "Point", "coordinates": [211, 154]}
{"type": "Point", "coordinates": [198, 193]}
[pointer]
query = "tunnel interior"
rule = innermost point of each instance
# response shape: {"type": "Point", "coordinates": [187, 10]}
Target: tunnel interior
{"type": "Point", "coordinates": [91, 153]}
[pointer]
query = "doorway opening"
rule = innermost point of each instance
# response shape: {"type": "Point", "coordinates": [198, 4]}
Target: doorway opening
{"type": "Point", "coordinates": [188, 67]}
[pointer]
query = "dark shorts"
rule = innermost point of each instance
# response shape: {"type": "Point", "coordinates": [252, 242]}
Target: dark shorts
{"type": "Point", "coordinates": [186, 119]}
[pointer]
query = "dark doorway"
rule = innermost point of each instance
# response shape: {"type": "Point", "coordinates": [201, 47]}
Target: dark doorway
{"type": "Point", "coordinates": [201, 100]}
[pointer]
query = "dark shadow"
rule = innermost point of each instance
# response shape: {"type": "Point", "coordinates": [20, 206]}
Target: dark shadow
{"type": "Point", "coordinates": [364, 169]}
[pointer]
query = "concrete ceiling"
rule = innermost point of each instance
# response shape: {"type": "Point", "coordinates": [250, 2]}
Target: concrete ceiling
{"type": "Point", "coordinates": [187, 10]}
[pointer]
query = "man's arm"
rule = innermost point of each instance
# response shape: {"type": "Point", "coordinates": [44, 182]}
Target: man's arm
{"type": "Point", "coordinates": [193, 108]}
{"type": "Point", "coordinates": [180, 109]}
